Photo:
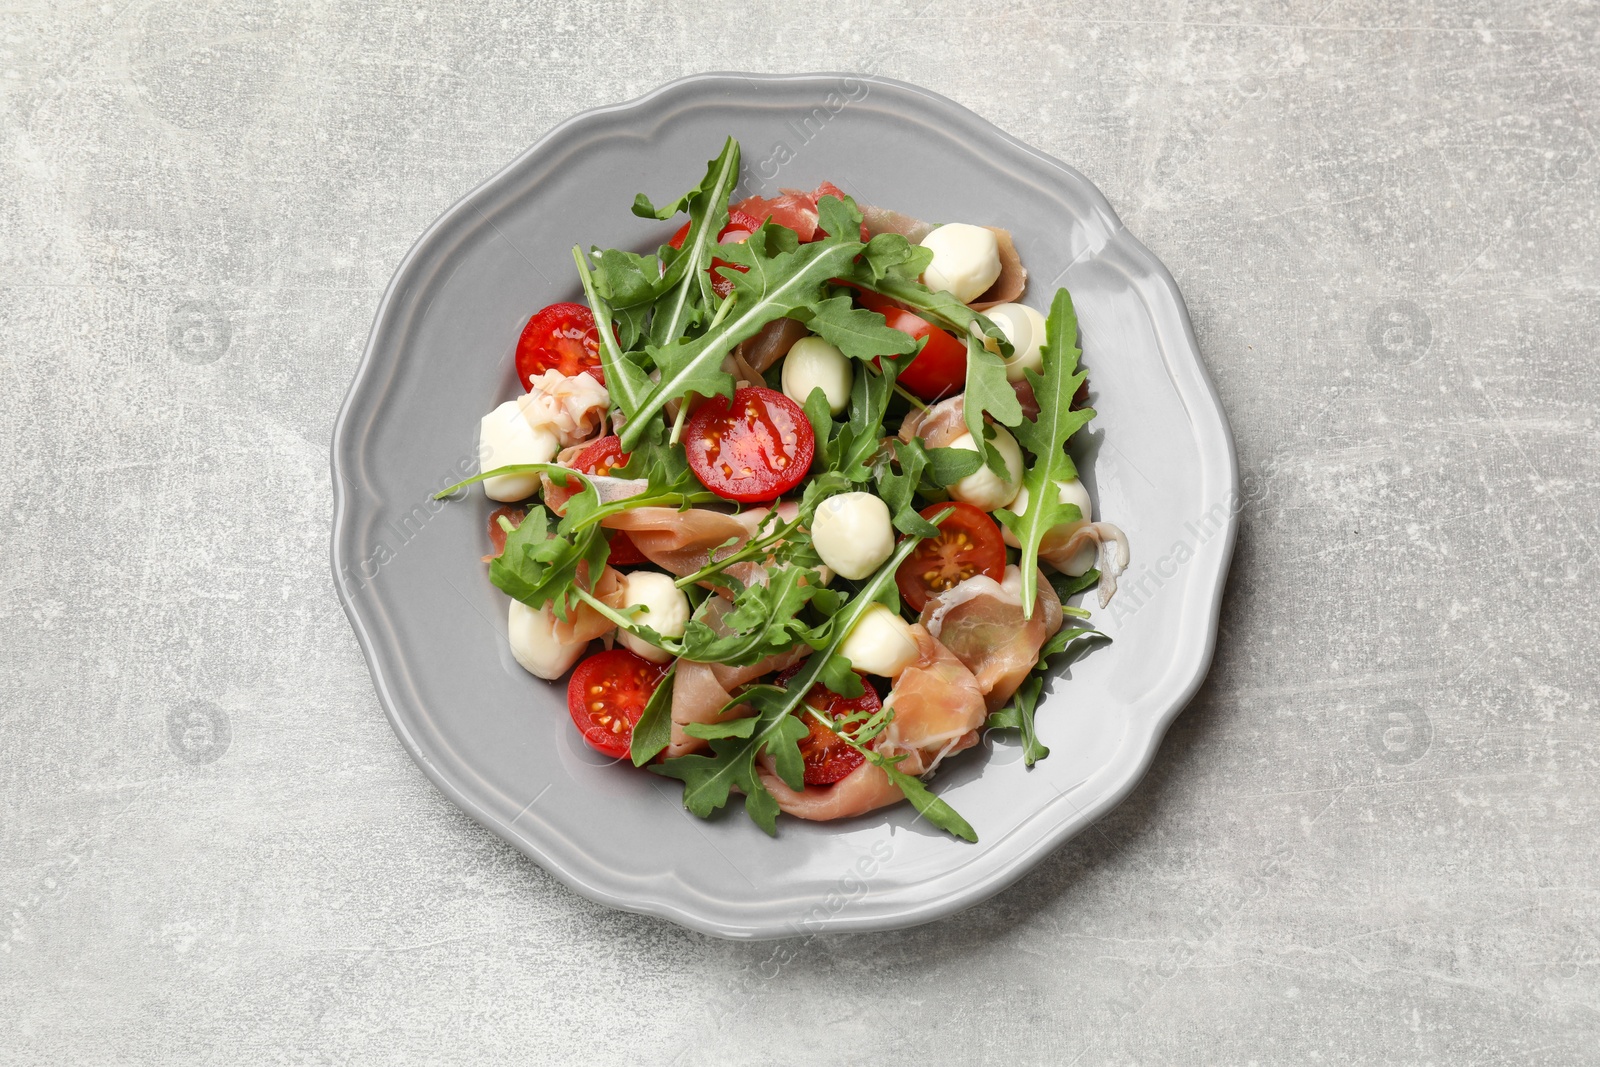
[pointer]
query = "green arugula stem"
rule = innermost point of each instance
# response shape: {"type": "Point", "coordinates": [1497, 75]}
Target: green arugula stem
{"type": "Point", "coordinates": [605, 511]}
{"type": "Point", "coordinates": [677, 423]}
{"type": "Point", "coordinates": [916, 401]}
{"type": "Point", "coordinates": [623, 622]}
{"type": "Point", "coordinates": [749, 550]}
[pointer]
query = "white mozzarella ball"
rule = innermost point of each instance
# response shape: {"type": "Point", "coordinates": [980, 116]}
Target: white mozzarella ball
{"type": "Point", "coordinates": [1024, 328]}
{"type": "Point", "coordinates": [1068, 492]}
{"type": "Point", "coordinates": [667, 611]}
{"type": "Point", "coordinates": [504, 438]}
{"type": "Point", "coordinates": [852, 533]}
{"type": "Point", "coordinates": [881, 643]}
{"type": "Point", "coordinates": [983, 488]}
{"type": "Point", "coordinates": [815, 364]}
{"type": "Point", "coordinates": [966, 260]}
{"type": "Point", "coordinates": [535, 645]}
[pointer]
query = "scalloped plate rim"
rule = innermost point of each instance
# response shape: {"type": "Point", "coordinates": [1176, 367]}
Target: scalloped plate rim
{"type": "Point", "coordinates": [592, 884]}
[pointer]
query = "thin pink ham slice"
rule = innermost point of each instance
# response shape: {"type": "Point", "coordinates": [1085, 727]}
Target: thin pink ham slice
{"type": "Point", "coordinates": [768, 346]}
{"type": "Point", "coordinates": [681, 542]}
{"type": "Point", "coordinates": [980, 621]}
{"type": "Point", "coordinates": [939, 426]}
{"type": "Point", "coordinates": [864, 789]}
{"type": "Point", "coordinates": [701, 691]}
{"type": "Point", "coordinates": [938, 710]}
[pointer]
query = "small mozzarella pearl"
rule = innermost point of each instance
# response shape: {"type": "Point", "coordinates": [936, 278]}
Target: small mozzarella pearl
{"type": "Point", "coordinates": [815, 364]}
{"type": "Point", "coordinates": [881, 643]}
{"type": "Point", "coordinates": [1068, 492]}
{"type": "Point", "coordinates": [853, 534]}
{"type": "Point", "coordinates": [505, 437]}
{"type": "Point", "coordinates": [1024, 328]}
{"type": "Point", "coordinates": [966, 260]}
{"type": "Point", "coordinates": [531, 633]}
{"type": "Point", "coordinates": [983, 488]}
{"type": "Point", "coordinates": [667, 611]}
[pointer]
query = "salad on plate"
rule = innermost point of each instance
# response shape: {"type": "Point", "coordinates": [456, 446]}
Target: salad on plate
{"type": "Point", "coordinates": [802, 472]}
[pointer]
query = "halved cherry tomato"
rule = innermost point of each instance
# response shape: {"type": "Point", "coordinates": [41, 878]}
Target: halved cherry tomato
{"type": "Point", "coordinates": [497, 536]}
{"type": "Point", "coordinates": [940, 369]}
{"type": "Point", "coordinates": [599, 457]}
{"type": "Point", "coordinates": [828, 756]}
{"type": "Point", "coordinates": [607, 694]}
{"type": "Point", "coordinates": [756, 446]}
{"type": "Point", "coordinates": [969, 543]}
{"type": "Point", "coordinates": [562, 337]}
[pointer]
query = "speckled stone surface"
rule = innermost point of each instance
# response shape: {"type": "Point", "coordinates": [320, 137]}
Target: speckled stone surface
{"type": "Point", "coordinates": [1372, 837]}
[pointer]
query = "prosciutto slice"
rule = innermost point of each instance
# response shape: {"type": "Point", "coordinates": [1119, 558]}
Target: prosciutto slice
{"type": "Point", "coordinates": [571, 407]}
{"type": "Point", "coordinates": [882, 220]}
{"type": "Point", "coordinates": [980, 621]}
{"type": "Point", "coordinates": [938, 705]}
{"type": "Point", "coordinates": [1062, 545]}
{"type": "Point", "coordinates": [583, 622]}
{"type": "Point", "coordinates": [794, 208]}
{"type": "Point", "coordinates": [864, 789]}
{"type": "Point", "coordinates": [701, 691]}
{"type": "Point", "coordinates": [768, 346]}
{"type": "Point", "coordinates": [681, 542]}
{"type": "Point", "coordinates": [939, 425]}
{"type": "Point", "coordinates": [938, 710]}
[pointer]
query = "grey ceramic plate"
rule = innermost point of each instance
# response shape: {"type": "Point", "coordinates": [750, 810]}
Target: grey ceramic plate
{"type": "Point", "coordinates": [1159, 461]}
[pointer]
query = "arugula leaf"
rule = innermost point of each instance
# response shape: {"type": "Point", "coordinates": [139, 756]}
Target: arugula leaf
{"type": "Point", "coordinates": [659, 462]}
{"type": "Point", "coordinates": [711, 731]}
{"type": "Point", "coordinates": [946, 466]}
{"type": "Point", "coordinates": [892, 256]}
{"type": "Point", "coordinates": [540, 567]}
{"type": "Point", "coordinates": [687, 285]}
{"type": "Point", "coordinates": [643, 208]}
{"type": "Point", "coordinates": [1018, 715]}
{"type": "Point", "coordinates": [898, 488]}
{"type": "Point", "coordinates": [1067, 585]}
{"type": "Point", "coordinates": [626, 279]}
{"type": "Point", "coordinates": [921, 469]}
{"type": "Point", "coordinates": [626, 381]}
{"type": "Point", "coordinates": [709, 780]}
{"type": "Point", "coordinates": [929, 806]}
{"type": "Point", "coordinates": [940, 308]}
{"type": "Point", "coordinates": [857, 332]}
{"type": "Point", "coordinates": [988, 391]}
{"type": "Point", "coordinates": [770, 288]}
{"type": "Point", "coordinates": [763, 622]}
{"type": "Point", "coordinates": [653, 731]}
{"type": "Point", "coordinates": [1046, 437]}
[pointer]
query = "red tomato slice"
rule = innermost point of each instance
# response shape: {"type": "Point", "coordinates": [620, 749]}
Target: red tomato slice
{"type": "Point", "coordinates": [940, 369]}
{"type": "Point", "coordinates": [497, 536]}
{"type": "Point", "coordinates": [601, 456]}
{"type": "Point", "coordinates": [606, 696]}
{"type": "Point", "coordinates": [828, 756]}
{"type": "Point", "coordinates": [969, 543]}
{"type": "Point", "coordinates": [562, 337]}
{"type": "Point", "coordinates": [756, 446]}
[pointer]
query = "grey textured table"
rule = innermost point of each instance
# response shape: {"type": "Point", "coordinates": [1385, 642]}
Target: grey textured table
{"type": "Point", "coordinates": [1371, 838]}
